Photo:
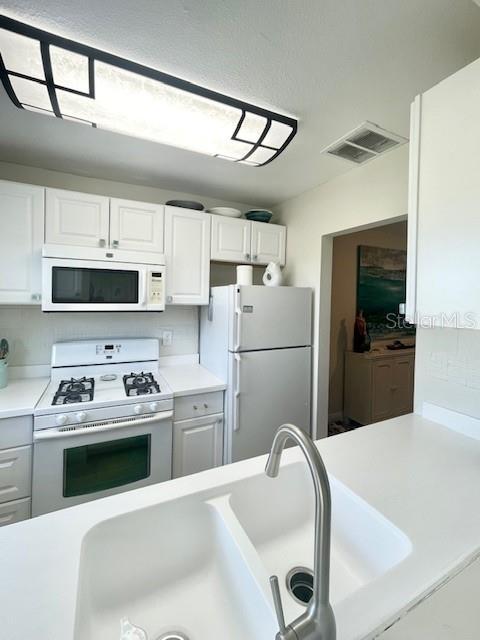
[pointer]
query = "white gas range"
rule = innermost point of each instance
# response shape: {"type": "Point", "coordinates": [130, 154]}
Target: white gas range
{"type": "Point", "coordinates": [103, 425]}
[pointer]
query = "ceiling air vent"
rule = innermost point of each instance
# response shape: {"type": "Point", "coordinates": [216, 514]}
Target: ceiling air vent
{"type": "Point", "coordinates": [364, 143]}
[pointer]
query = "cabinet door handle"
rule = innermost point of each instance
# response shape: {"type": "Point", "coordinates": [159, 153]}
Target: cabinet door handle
{"type": "Point", "coordinates": [36, 297]}
{"type": "Point", "coordinates": [205, 405]}
{"type": "Point", "coordinates": [254, 258]}
{"type": "Point", "coordinates": [102, 242]}
{"type": "Point", "coordinates": [169, 298]}
{"type": "Point", "coordinates": [115, 244]}
{"type": "Point", "coordinates": [195, 407]}
{"type": "Point", "coordinates": [247, 256]}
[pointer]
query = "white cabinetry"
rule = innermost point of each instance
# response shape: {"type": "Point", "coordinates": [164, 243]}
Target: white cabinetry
{"type": "Point", "coordinates": [79, 219]}
{"type": "Point", "coordinates": [197, 433]}
{"type": "Point", "coordinates": [136, 226]}
{"type": "Point", "coordinates": [15, 469]}
{"type": "Point", "coordinates": [268, 243]}
{"type": "Point", "coordinates": [231, 239]}
{"type": "Point", "coordinates": [238, 240]}
{"type": "Point", "coordinates": [444, 220]}
{"type": "Point", "coordinates": [378, 387]}
{"type": "Point", "coordinates": [21, 239]}
{"type": "Point", "coordinates": [187, 256]}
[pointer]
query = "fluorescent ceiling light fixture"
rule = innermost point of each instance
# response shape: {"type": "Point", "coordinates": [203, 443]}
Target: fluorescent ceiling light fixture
{"type": "Point", "coordinates": [54, 76]}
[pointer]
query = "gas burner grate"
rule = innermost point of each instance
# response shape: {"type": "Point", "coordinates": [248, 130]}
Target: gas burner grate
{"type": "Point", "coordinates": [140, 384]}
{"type": "Point", "coordinates": [74, 390]}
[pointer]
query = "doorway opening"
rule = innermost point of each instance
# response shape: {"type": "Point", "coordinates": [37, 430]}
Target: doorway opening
{"type": "Point", "coordinates": [372, 348]}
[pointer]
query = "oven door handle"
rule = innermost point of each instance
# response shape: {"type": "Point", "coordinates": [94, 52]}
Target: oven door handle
{"type": "Point", "coordinates": [97, 427]}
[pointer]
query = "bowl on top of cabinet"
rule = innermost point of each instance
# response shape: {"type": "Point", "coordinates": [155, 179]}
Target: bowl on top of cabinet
{"type": "Point", "coordinates": [259, 215]}
{"type": "Point", "coordinates": [186, 204]}
{"type": "Point", "coordinates": [230, 212]}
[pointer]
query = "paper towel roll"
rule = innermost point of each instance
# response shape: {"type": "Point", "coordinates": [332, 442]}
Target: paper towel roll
{"type": "Point", "coordinates": [245, 274]}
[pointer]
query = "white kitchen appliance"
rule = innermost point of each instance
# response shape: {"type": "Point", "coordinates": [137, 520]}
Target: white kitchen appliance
{"type": "Point", "coordinates": [92, 279]}
{"type": "Point", "coordinates": [103, 425]}
{"type": "Point", "coordinates": [258, 339]}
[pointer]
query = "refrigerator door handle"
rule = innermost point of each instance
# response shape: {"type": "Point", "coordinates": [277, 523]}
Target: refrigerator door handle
{"type": "Point", "coordinates": [238, 313]}
{"type": "Point", "coordinates": [236, 409]}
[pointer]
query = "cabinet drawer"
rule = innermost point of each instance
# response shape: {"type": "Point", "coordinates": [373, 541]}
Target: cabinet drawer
{"type": "Point", "coordinates": [15, 511]}
{"type": "Point", "coordinates": [15, 473]}
{"type": "Point", "coordinates": [201, 404]}
{"type": "Point", "coordinates": [16, 432]}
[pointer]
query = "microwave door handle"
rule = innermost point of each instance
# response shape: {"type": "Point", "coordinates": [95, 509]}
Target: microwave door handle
{"type": "Point", "coordinates": [143, 302]}
{"type": "Point", "coordinates": [57, 433]}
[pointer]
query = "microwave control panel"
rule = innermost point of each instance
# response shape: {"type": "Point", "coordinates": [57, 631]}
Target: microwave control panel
{"type": "Point", "coordinates": [156, 289]}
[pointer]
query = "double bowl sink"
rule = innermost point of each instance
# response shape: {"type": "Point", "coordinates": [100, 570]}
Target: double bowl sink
{"type": "Point", "coordinates": [198, 567]}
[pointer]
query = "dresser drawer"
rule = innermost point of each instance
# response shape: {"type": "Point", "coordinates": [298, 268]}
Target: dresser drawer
{"type": "Point", "coordinates": [15, 511]}
{"type": "Point", "coordinates": [201, 404]}
{"type": "Point", "coordinates": [15, 473]}
{"type": "Point", "coordinates": [16, 432]}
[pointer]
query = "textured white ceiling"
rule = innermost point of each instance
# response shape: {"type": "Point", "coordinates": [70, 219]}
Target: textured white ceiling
{"type": "Point", "coordinates": [331, 63]}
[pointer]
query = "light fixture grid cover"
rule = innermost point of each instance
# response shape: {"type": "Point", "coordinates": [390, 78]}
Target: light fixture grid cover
{"type": "Point", "coordinates": [76, 76]}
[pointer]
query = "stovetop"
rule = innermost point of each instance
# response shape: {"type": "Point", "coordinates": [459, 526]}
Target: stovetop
{"type": "Point", "coordinates": [140, 384]}
{"type": "Point", "coordinates": [98, 386]}
{"type": "Point", "coordinates": [74, 390]}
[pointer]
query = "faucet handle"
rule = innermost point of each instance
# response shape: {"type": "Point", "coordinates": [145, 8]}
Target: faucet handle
{"type": "Point", "coordinates": [277, 601]}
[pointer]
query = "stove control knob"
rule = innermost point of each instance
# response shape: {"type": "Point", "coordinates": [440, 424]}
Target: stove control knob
{"type": "Point", "coordinates": [138, 409]}
{"type": "Point", "coordinates": [61, 420]}
{"type": "Point", "coordinates": [154, 406]}
{"type": "Point", "coordinates": [81, 416]}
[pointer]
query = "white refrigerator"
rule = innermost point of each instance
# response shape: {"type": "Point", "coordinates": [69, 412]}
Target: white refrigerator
{"type": "Point", "coordinates": [258, 339]}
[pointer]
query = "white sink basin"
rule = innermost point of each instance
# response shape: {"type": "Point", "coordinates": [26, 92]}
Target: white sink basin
{"type": "Point", "coordinates": [278, 516]}
{"type": "Point", "coordinates": [200, 565]}
{"type": "Point", "coordinates": [172, 567]}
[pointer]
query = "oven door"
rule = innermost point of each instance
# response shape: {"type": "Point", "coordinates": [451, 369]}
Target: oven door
{"type": "Point", "coordinates": [93, 285]}
{"type": "Point", "coordinates": [74, 465]}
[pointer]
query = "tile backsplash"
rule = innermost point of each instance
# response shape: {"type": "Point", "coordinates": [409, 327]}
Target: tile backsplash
{"type": "Point", "coordinates": [448, 369]}
{"type": "Point", "coordinates": [31, 333]}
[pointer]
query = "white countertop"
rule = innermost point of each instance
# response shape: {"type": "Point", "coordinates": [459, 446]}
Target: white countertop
{"type": "Point", "coordinates": [20, 396]}
{"type": "Point", "coordinates": [450, 613]}
{"type": "Point", "coordinates": [188, 379]}
{"type": "Point", "coordinates": [423, 477]}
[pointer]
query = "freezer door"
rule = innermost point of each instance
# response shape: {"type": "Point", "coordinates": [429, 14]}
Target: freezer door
{"type": "Point", "coordinates": [271, 318]}
{"type": "Point", "coordinates": [268, 389]}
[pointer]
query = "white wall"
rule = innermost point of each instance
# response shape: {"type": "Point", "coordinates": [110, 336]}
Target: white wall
{"type": "Point", "coordinates": [56, 179]}
{"type": "Point", "coordinates": [447, 371]}
{"type": "Point", "coordinates": [365, 196]}
{"type": "Point", "coordinates": [32, 333]}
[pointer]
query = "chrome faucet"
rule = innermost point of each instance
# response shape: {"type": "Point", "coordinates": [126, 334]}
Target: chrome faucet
{"type": "Point", "coordinates": [318, 621]}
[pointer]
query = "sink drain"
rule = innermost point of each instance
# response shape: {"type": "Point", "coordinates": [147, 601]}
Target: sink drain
{"type": "Point", "coordinates": [300, 584]}
{"type": "Point", "coordinates": [173, 635]}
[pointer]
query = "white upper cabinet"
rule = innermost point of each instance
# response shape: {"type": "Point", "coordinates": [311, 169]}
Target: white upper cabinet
{"type": "Point", "coordinates": [268, 243]}
{"type": "Point", "coordinates": [231, 239]}
{"type": "Point", "coordinates": [136, 226]}
{"type": "Point", "coordinates": [79, 219]}
{"type": "Point", "coordinates": [444, 203]}
{"type": "Point", "coordinates": [187, 256]}
{"type": "Point", "coordinates": [21, 239]}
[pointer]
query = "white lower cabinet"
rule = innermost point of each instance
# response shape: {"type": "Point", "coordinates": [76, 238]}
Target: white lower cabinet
{"type": "Point", "coordinates": [187, 256]}
{"type": "Point", "coordinates": [15, 473]}
{"type": "Point", "coordinates": [15, 511]}
{"type": "Point", "coordinates": [21, 239]}
{"type": "Point", "coordinates": [197, 445]}
{"type": "Point", "coordinates": [378, 387]}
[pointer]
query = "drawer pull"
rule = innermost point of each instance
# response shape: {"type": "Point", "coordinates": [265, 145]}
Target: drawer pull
{"type": "Point", "coordinates": [195, 407]}
{"type": "Point", "coordinates": [205, 406]}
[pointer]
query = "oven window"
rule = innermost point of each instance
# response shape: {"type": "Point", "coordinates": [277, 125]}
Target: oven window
{"type": "Point", "coordinates": [98, 467]}
{"type": "Point", "coordinates": [76, 285]}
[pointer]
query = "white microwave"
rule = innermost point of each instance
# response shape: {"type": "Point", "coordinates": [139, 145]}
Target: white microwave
{"type": "Point", "coordinates": [84, 279]}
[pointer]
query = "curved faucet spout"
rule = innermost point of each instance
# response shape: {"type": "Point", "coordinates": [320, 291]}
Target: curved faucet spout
{"type": "Point", "coordinates": [318, 622]}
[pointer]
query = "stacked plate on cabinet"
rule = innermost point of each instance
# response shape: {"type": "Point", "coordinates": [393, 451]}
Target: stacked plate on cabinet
{"type": "Point", "coordinates": [230, 212]}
